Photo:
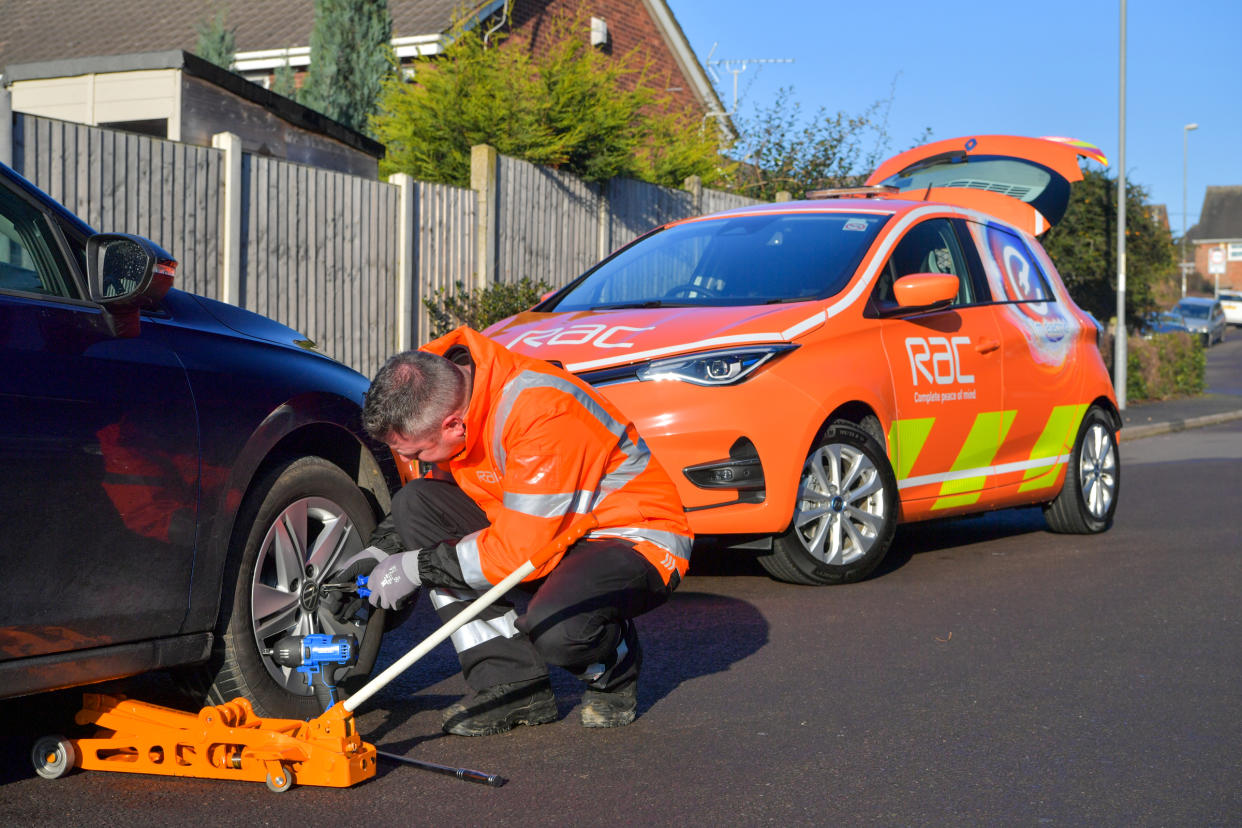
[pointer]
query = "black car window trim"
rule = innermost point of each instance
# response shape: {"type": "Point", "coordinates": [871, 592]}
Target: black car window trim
{"type": "Point", "coordinates": [69, 264]}
{"type": "Point", "coordinates": [974, 264]}
{"type": "Point", "coordinates": [50, 243]}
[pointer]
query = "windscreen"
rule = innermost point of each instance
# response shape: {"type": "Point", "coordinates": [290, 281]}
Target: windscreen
{"type": "Point", "coordinates": [745, 260]}
{"type": "Point", "coordinates": [1196, 311]}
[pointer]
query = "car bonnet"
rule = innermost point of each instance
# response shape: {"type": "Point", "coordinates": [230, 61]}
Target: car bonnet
{"type": "Point", "coordinates": [588, 340]}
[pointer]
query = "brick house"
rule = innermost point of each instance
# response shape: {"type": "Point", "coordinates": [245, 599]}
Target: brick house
{"type": "Point", "coordinates": [1219, 228]}
{"type": "Point", "coordinates": [271, 33]}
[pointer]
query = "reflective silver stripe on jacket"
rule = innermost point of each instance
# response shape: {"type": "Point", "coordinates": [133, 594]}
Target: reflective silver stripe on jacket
{"type": "Point", "coordinates": [549, 505]}
{"type": "Point", "coordinates": [555, 505]}
{"type": "Point", "coordinates": [674, 544]}
{"type": "Point", "coordinates": [533, 379]}
{"type": "Point", "coordinates": [478, 631]}
{"type": "Point", "coordinates": [468, 560]}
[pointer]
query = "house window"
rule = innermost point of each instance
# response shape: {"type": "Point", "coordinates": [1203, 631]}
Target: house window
{"type": "Point", "coordinates": [1235, 252]}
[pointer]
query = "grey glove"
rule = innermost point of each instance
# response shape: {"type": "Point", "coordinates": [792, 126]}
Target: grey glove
{"type": "Point", "coordinates": [395, 580]}
{"type": "Point", "coordinates": [361, 564]}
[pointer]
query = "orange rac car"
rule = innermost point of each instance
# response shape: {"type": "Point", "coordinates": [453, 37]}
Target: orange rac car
{"type": "Point", "coordinates": [812, 373]}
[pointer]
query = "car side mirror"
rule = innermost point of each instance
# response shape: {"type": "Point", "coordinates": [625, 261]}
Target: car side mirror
{"type": "Point", "coordinates": [126, 275]}
{"type": "Point", "coordinates": [925, 290]}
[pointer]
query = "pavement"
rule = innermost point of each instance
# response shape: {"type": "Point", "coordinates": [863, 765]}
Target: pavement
{"type": "Point", "coordinates": [1221, 403]}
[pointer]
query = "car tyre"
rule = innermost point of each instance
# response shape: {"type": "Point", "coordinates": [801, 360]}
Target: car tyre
{"type": "Point", "coordinates": [845, 514]}
{"type": "Point", "coordinates": [1088, 498]}
{"type": "Point", "coordinates": [305, 511]}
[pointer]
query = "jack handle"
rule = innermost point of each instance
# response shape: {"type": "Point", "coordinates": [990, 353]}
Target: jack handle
{"type": "Point", "coordinates": [575, 531]}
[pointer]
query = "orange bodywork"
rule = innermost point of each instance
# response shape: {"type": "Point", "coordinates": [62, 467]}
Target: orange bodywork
{"type": "Point", "coordinates": [979, 405]}
{"type": "Point", "coordinates": [1058, 155]}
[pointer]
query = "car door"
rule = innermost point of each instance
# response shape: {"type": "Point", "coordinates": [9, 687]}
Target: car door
{"type": "Point", "coordinates": [947, 377]}
{"type": "Point", "coordinates": [98, 455]}
{"type": "Point", "coordinates": [1041, 339]}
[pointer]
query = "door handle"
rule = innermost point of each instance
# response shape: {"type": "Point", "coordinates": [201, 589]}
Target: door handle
{"type": "Point", "coordinates": [986, 346]}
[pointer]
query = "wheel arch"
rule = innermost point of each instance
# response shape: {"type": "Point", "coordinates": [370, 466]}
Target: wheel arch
{"type": "Point", "coordinates": [1109, 407]}
{"type": "Point", "coordinates": [322, 425]}
{"type": "Point", "coordinates": [861, 414]}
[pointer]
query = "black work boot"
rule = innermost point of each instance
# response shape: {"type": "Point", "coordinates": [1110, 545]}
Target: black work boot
{"type": "Point", "coordinates": [615, 708]}
{"type": "Point", "coordinates": [497, 709]}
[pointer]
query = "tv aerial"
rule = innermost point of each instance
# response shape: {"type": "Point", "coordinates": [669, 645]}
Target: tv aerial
{"type": "Point", "coordinates": [735, 67]}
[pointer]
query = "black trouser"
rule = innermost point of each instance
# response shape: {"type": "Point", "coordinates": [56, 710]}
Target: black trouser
{"type": "Point", "coordinates": [579, 616]}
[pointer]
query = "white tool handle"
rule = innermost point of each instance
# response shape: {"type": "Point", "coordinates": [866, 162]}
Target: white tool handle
{"type": "Point", "coordinates": [458, 621]}
{"type": "Point", "coordinates": [575, 531]}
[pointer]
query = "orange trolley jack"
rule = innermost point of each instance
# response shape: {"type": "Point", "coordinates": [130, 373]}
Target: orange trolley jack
{"type": "Point", "coordinates": [229, 741]}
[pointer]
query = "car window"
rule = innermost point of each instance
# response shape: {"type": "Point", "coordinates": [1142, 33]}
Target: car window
{"type": "Point", "coordinates": [745, 260]}
{"type": "Point", "coordinates": [1013, 274]}
{"type": "Point", "coordinates": [30, 261]}
{"type": "Point", "coordinates": [1193, 309]}
{"type": "Point", "coordinates": [928, 247]}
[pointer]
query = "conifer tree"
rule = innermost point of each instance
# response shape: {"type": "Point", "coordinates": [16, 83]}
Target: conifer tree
{"type": "Point", "coordinates": [215, 41]}
{"type": "Point", "coordinates": [350, 57]}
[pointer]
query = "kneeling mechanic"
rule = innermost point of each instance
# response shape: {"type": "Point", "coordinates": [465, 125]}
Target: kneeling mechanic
{"type": "Point", "coordinates": [518, 449]}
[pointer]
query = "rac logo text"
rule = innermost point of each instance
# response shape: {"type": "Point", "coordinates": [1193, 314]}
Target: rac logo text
{"type": "Point", "coordinates": [937, 360]}
{"type": "Point", "coordinates": [584, 334]}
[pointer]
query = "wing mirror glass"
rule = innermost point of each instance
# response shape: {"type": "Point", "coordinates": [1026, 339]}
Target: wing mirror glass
{"type": "Point", "coordinates": [127, 274]}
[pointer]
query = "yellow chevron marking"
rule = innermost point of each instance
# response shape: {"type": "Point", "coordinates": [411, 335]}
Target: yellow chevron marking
{"type": "Point", "coordinates": [905, 441]}
{"type": "Point", "coordinates": [1056, 439]}
{"type": "Point", "coordinates": [985, 439]}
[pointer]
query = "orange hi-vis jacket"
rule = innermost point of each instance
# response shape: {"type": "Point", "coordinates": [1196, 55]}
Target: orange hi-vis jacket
{"type": "Point", "coordinates": [541, 448]}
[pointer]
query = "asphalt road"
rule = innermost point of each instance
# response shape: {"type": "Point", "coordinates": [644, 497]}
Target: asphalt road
{"type": "Point", "coordinates": [992, 673]}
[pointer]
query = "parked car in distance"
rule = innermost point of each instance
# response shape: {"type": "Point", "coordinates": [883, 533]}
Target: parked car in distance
{"type": "Point", "coordinates": [1204, 317]}
{"type": "Point", "coordinates": [1158, 322]}
{"type": "Point", "coordinates": [812, 373]}
{"type": "Point", "coordinates": [181, 479]}
{"type": "Point", "coordinates": [1231, 304]}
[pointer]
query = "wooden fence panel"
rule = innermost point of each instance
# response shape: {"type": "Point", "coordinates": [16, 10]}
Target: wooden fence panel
{"type": "Point", "coordinates": [548, 224]}
{"type": "Point", "coordinates": [319, 254]}
{"type": "Point", "coordinates": [637, 207]}
{"type": "Point", "coordinates": [715, 201]}
{"type": "Point", "coordinates": [319, 249]}
{"type": "Point", "coordinates": [444, 227]}
{"type": "Point", "coordinates": [124, 183]}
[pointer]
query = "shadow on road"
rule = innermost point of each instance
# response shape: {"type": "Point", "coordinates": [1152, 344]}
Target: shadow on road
{"type": "Point", "coordinates": [930, 536]}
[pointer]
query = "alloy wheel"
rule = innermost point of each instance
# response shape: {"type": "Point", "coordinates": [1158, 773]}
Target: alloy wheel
{"type": "Point", "coordinates": [303, 548]}
{"type": "Point", "coordinates": [1097, 470]}
{"type": "Point", "coordinates": [841, 507]}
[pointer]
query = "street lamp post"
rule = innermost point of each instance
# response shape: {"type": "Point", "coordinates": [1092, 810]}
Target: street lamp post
{"type": "Point", "coordinates": [1185, 143]}
{"type": "Point", "coordinates": [1119, 339]}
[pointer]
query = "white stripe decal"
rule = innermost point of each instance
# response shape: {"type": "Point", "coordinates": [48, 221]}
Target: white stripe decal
{"type": "Point", "coordinates": [983, 471]}
{"type": "Point", "coordinates": [797, 329]}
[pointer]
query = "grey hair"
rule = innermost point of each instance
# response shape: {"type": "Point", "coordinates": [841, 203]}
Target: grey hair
{"type": "Point", "coordinates": [411, 395]}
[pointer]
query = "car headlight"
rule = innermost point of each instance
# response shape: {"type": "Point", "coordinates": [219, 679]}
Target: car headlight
{"type": "Point", "coordinates": [727, 366]}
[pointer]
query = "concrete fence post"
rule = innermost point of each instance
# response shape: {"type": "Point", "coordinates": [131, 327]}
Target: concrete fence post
{"type": "Point", "coordinates": [6, 124]}
{"type": "Point", "coordinates": [231, 229]}
{"type": "Point", "coordinates": [407, 262]}
{"type": "Point", "coordinates": [784, 195]}
{"type": "Point", "coordinates": [484, 170]}
{"type": "Point", "coordinates": [694, 186]}
{"type": "Point", "coordinates": [603, 216]}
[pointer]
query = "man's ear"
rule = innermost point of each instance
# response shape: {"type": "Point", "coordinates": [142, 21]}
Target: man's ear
{"type": "Point", "coordinates": [454, 425]}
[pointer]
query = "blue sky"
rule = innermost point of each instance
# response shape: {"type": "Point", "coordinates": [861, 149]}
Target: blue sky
{"type": "Point", "coordinates": [1049, 68]}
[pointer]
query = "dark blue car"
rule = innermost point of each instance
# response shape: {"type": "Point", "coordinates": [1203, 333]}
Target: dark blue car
{"type": "Point", "coordinates": [180, 479]}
